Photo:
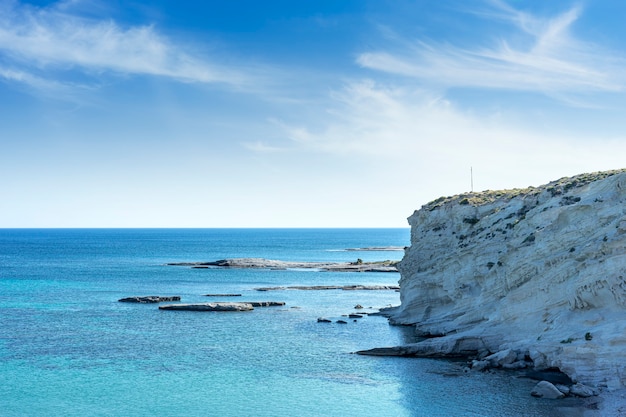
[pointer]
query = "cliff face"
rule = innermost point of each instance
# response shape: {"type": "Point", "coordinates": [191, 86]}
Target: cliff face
{"type": "Point", "coordinates": [541, 271]}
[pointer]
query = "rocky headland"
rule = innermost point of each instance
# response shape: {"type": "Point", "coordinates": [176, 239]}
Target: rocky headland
{"type": "Point", "coordinates": [527, 278]}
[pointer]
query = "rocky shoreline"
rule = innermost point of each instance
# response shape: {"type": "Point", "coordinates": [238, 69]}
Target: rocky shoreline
{"type": "Point", "coordinates": [553, 384]}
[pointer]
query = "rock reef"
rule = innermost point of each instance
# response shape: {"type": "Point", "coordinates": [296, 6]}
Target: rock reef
{"type": "Point", "coordinates": [260, 263]}
{"type": "Point", "coordinates": [357, 287]}
{"type": "Point", "coordinates": [536, 276]}
{"type": "Point", "coordinates": [149, 299]}
{"type": "Point", "coordinates": [209, 307]}
{"type": "Point", "coordinates": [242, 306]}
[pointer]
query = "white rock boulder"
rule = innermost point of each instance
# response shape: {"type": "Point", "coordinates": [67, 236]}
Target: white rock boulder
{"type": "Point", "coordinates": [545, 389]}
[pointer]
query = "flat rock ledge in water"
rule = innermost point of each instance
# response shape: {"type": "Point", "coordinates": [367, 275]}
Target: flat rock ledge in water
{"type": "Point", "coordinates": [469, 347]}
{"type": "Point", "coordinates": [553, 384]}
{"type": "Point", "coordinates": [149, 299]}
{"type": "Point", "coordinates": [209, 307]}
{"type": "Point", "coordinates": [242, 306]}
{"type": "Point", "coordinates": [260, 263]}
{"type": "Point", "coordinates": [377, 249]}
{"type": "Point", "coordinates": [331, 287]}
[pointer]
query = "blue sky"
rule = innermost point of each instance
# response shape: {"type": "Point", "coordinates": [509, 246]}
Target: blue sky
{"type": "Point", "coordinates": [322, 113]}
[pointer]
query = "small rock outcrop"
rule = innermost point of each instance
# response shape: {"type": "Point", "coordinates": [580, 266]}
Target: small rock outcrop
{"type": "Point", "coordinates": [537, 274]}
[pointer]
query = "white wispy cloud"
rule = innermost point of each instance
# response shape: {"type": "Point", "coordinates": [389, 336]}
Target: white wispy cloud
{"type": "Point", "coordinates": [416, 137]}
{"type": "Point", "coordinates": [551, 59]}
{"type": "Point", "coordinates": [33, 40]}
{"type": "Point", "coordinates": [422, 136]}
{"type": "Point", "coordinates": [262, 147]}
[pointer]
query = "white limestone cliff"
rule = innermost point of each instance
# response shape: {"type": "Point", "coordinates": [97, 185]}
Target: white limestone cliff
{"type": "Point", "coordinates": [540, 271]}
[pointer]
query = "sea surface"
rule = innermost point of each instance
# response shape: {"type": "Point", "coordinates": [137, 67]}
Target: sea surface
{"type": "Point", "coordinates": [69, 348]}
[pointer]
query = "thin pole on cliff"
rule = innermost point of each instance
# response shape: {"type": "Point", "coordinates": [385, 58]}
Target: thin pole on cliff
{"type": "Point", "coordinates": [472, 177]}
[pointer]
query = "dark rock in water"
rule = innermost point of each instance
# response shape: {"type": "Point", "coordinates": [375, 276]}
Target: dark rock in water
{"type": "Point", "coordinates": [323, 320]}
{"type": "Point", "coordinates": [355, 316]}
{"type": "Point", "coordinates": [342, 322]}
{"type": "Point", "coordinates": [266, 303]}
{"type": "Point", "coordinates": [209, 307]}
{"type": "Point", "coordinates": [358, 307]}
{"type": "Point", "coordinates": [149, 299]}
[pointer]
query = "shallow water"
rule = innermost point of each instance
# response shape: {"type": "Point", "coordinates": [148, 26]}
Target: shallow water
{"type": "Point", "coordinates": [69, 348]}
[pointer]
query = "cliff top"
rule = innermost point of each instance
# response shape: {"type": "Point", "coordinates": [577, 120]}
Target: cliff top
{"type": "Point", "coordinates": [558, 187]}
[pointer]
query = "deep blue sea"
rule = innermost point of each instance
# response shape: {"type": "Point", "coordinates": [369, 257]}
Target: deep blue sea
{"type": "Point", "coordinates": [69, 348]}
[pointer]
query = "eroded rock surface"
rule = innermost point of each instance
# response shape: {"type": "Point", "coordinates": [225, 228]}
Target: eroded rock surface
{"type": "Point", "coordinates": [538, 273]}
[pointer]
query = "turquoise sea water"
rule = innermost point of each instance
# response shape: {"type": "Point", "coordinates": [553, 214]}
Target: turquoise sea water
{"type": "Point", "coordinates": [68, 348]}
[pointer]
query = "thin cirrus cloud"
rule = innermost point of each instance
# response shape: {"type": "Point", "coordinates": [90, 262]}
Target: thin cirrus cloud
{"type": "Point", "coordinates": [550, 60]}
{"type": "Point", "coordinates": [423, 128]}
{"type": "Point", "coordinates": [34, 40]}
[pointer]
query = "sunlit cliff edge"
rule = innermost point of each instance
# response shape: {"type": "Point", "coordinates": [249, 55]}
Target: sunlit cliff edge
{"type": "Point", "coordinates": [537, 272]}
